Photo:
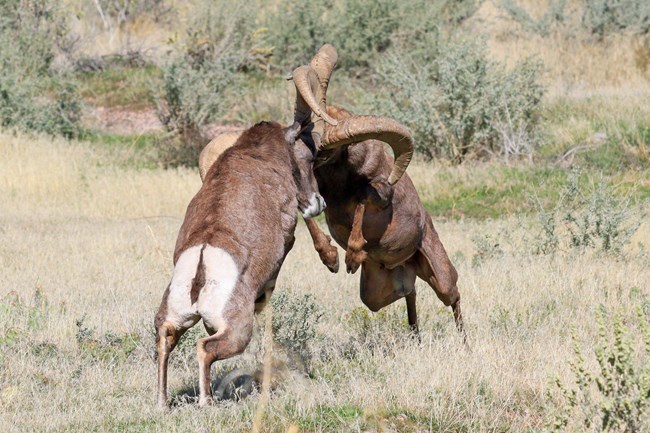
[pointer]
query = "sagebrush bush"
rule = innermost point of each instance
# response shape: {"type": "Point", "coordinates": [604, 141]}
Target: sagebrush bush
{"type": "Point", "coordinates": [459, 103]}
{"type": "Point", "coordinates": [199, 85]}
{"type": "Point", "coordinates": [360, 29]}
{"type": "Point", "coordinates": [605, 17]}
{"type": "Point", "coordinates": [595, 218]}
{"type": "Point", "coordinates": [32, 96]}
{"type": "Point", "coordinates": [616, 396]}
{"type": "Point", "coordinates": [294, 323]}
{"type": "Point", "coordinates": [599, 18]}
{"type": "Point", "coordinates": [487, 248]}
{"type": "Point", "coordinates": [553, 18]}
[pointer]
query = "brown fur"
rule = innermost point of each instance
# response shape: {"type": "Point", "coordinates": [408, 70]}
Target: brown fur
{"type": "Point", "coordinates": [246, 207]}
{"type": "Point", "coordinates": [385, 230]}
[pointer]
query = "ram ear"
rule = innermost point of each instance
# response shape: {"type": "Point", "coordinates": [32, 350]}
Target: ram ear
{"type": "Point", "coordinates": [291, 132]}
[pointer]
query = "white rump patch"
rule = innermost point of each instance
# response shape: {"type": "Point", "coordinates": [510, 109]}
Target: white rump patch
{"type": "Point", "coordinates": [221, 276]}
{"type": "Point", "coordinates": [316, 206]}
{"type": "Point", "coordinates": [180, 310]}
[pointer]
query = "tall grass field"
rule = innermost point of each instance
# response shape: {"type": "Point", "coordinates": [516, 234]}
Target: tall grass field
{"type": "Point", "coordinates": [532, 128]}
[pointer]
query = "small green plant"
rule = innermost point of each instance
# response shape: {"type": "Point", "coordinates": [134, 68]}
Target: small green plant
{"type": "Point", "coordinates": [615, 397]}
{"type": "Point", "coordinates": [595, 218]}
{"type": "Point", "coordinates": [487, 248]}
{"type": "Point", "coordinates": [294, 322]}
{"type": "Point", "coordinates": [22, 317]}
{"type": "Point", "coordinates": [109, 347]}
{"type": "Point", "coordinates": [546, 240]}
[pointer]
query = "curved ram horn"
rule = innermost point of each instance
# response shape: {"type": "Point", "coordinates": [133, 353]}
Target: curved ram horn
{"type": "Point", "coordinates": [307, 85]}
{"type": "Point", "coordinates": [354, 129]}
{"type": "Point", "coordinates": [213, 150]}
{"type": "Point", "coordinates": [323, 64]}
{"type": "Point", "coordinates": [311, 88]}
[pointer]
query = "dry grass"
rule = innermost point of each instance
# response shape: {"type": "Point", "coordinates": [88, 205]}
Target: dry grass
{"type": "Point", "coordinates": [575, 64]}
{"type": "Point", "coordinates": [96, 241]}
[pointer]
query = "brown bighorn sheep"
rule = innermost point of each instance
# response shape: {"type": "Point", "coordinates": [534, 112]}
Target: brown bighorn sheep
{"type": "Point", "coordinates": [374, 215]}
{"type": "Point", "coordinates": [236, 233]}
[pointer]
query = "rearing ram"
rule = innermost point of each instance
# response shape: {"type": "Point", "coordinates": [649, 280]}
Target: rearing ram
{"type": "Point", "coordinates": [236, 234]}
{"type": "Point", "coordinates": [374, 210]}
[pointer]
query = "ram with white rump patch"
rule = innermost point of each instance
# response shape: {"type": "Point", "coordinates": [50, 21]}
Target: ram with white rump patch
{"type": "Point", "coordinates": [237, 231]}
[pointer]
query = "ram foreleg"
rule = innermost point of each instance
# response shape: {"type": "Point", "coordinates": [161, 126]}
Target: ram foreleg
{"type": "Point", "coordinates": [354, 254]}
{"type": "Point", "coordinates": [328, 253]}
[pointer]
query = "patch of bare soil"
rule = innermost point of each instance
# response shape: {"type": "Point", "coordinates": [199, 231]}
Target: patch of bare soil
{"type": "Point", "coordinates": [122, 121]}
{"type": "Point", "coordinates": [125, 121]}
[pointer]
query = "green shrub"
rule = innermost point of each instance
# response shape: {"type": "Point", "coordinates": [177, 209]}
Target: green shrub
{"type": "Point", "coordinates": [364, 28]}
{"type": "Point", "coordinates": [553, 17]}
{"type": "Point", "coordinates": [32, 96]}
{"type": "Point", "coordinates": [296, 30]}
{"type": "Point", "coordinates": [595, 218]}
{"type": "Point", "coordinates": [604, 17]}
{"type": "Point", "coordinates": [294, 322]}
{"type": "Point", "coordinates": [199, 85]}
{"type": "Point", "coordinates": [459, 104]}
{"type": "Point", "coordinates": [487, 248]}
{"type": "Point", "coordinates": [359, 29]}
{"type": "Point", "coordinates": [615, 397]}
{"type": "Point", "coordinates": [109, 347]}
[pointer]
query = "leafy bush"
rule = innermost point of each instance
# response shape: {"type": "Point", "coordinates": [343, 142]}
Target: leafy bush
{"type": "Point", "coordinates": [604, 17]}
{"type": "Point", "coordinates": [457, 101]}
{"type": "Point", "coordinates": [294, 322]}
{"type": "Point", "coordinates": [296, 30]}
{"type": "Point", "coordinates": [363, 29]}
{"type": "Point", "coordinates": [32, 96]}
{"type": "Point", "coordinates": [554, 16]}
{"type": "Point", "coordinates": [616, 397]}
{"type": "Point", "coordinates": [109, 347]}
{"type": "Point", "coordinates": [359, 29]}
{"type": "Point", "coordinates": [487, 248]}
{"type": "Point", "coordinates": [595, 218]}
{"type": "Point", "coordinates": [199, 85]}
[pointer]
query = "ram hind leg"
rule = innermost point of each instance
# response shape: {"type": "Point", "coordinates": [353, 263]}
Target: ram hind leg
{"type": "Point", "coordinates": [434, 267]}
{"type": "Point", "coordinates": [169, 330]}
{"type": "Point", "coordinates": [233, 336]}
{"type": "Point", "coordinates": [177, 312]}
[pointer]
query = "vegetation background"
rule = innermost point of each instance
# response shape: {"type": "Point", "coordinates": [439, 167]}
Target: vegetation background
{"type": "Point", "coordinates": [532, 126]}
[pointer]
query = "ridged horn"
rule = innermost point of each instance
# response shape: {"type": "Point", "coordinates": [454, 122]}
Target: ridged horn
{"type": "Point", "coordinates": [308, 85]}
{"type": "Point", "coordinates": [354, 129]}
{"type": "Point", "coordinates": [213, 150]}
{"type": "Point", "coordinates": [323, 64]}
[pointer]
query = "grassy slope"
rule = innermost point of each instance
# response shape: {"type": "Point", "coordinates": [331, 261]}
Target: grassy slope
{"type": "Point", "coordinates": [85, 231]}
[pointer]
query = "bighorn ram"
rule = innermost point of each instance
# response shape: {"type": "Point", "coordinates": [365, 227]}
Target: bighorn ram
{"type": "Point", "coordinates": [374, 215]}
{"type": "Point", "coordinates": [237, 231]}
{"type": "Point", "coordinates": [374, 211]}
